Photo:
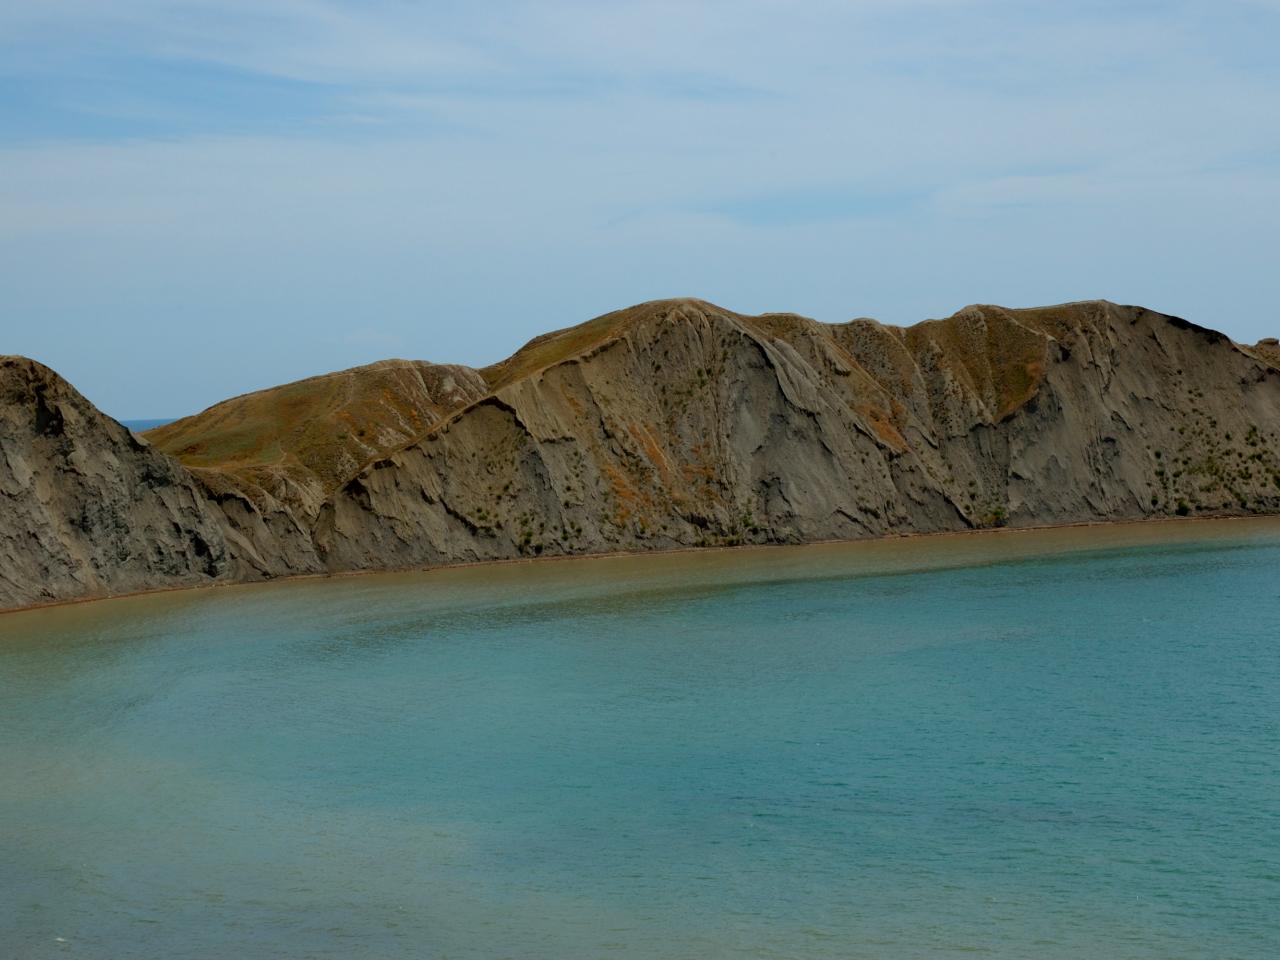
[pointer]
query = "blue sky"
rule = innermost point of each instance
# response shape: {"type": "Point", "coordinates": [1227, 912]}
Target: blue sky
{"type": "Point", "coordinates": [203, 197]}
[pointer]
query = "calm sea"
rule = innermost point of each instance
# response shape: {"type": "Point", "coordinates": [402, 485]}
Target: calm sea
{"type": "Point", "coordinates": [1022, 745]}
{"type": "Point", "coordinates": [141, 426]}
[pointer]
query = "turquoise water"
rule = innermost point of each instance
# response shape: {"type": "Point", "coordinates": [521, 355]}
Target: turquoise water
{"type": "Point", "coordinates": [1061, 744]}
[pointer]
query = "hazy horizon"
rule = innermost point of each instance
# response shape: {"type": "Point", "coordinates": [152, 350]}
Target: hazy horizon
{"type": "Point", "coordinates": [204, 199]}
{"type": "Point", "coordinates": [150, 421]}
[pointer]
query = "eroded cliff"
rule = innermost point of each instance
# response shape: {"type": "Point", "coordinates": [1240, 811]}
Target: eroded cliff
{"type": "Point", "coordinates": [88, 509]}
{"type": "Point", "coordinates": [679, 423]}
{"type": "Point", "coordinates": [670, 424]}
{"type": "Point", "coordinates": [268, 460]}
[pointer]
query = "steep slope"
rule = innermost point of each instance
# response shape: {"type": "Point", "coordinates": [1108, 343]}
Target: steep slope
{"type": "Point", "coordinates": [1266, 350]}
{"type": "Point", "coordinates": [86, 508]}
{"type": "Point", "coordinates": [679, 423]}
{"type": "Point", "coordinates": [270, 459]}
{"type": "Point", "coordinates": [672, 423]}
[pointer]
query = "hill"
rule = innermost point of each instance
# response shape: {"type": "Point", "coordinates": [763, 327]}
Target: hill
{"type": "Point", "coordinates": [679, 423]}
{"type": "Point", "coordinates": [269, 459]}
{"type": "Point", "coordinates": [669, 424]}
{"type": "Point", "coordinates": [88, 509]}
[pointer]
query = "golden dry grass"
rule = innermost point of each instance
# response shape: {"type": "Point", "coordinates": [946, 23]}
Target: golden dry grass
{"type": "Point", "coordinates": [323, 426]}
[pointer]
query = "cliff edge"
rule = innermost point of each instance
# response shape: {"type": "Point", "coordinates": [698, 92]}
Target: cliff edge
{"type": "Point", "coordinates": [669, 424]}
{"type": "Point", "coordinates": [88, 508]}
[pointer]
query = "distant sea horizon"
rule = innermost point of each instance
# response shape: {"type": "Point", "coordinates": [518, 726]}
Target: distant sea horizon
{"type": "Point", "coordinates": [141, 426]}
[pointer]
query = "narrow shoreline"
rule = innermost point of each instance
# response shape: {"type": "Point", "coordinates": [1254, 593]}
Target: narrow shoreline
{"type": "Point", "coordinates": [627, 554]}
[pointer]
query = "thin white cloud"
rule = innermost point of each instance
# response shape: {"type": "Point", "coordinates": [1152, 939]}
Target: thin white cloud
{"type": "Point", "coordinates": [517, 166]}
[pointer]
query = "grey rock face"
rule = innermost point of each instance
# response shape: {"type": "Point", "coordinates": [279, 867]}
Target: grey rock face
{"type": "Point", "coordinates": [689, 425]}
{"type": "Point", "coordinates": [86, 508]}
{"type": "Point", "coordinates": [269, 460]}
{"type": "Point", "coordinates": [670, 424]}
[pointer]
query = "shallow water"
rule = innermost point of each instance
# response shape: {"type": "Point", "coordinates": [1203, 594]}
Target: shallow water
{"type": "Point", "coordinates": [1051, 744]}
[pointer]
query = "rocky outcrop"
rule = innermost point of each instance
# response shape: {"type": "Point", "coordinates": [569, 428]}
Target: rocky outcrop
{"type": "Point", "coordinates": [678, 423]}
{"type": "Point", "coordinates": [86, 508]}
{"type": "Point", "coordinates": [268, 460]}
{"type": "Point", "coordinates": [682, 424]}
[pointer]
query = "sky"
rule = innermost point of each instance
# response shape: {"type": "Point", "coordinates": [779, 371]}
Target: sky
{"type": "Point", "coordinates": [204, 197]}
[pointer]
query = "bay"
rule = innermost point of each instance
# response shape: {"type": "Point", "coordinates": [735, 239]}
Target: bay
{"type": "Point", "coordinates": [1056, 743]}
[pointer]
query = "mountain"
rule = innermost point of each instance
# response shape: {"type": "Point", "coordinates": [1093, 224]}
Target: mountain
{"type": "Point", "coordinates": [87, 508]}
{"type": "Point", "coordinates": [678, 423]}
{"type": "Point", "coordinates": [268, 460]}
{"type": "Point", "coordinates": [296, 442]}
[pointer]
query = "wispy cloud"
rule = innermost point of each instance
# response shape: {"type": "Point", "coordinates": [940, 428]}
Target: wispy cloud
{"type": "Point", "coordinates": [282, 171]}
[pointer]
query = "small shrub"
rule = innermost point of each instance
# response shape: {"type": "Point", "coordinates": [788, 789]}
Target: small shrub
{"type": "Point", "coordinates": [998, 517]}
